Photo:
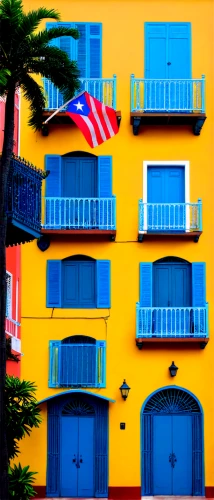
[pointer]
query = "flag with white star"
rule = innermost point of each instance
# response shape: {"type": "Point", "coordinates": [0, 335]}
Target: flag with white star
{"type": "Point", "coordinates": [97, 122]}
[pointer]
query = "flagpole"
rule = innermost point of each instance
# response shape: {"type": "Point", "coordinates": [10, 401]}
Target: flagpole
{"type": "Point", "coordinates": [63, 106]}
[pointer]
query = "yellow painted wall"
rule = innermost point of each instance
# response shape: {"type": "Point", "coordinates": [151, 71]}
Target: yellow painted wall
{"type": "Point", "coordinates": [146, 370]}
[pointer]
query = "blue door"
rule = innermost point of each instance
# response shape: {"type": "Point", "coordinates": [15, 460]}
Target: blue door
{"type": "Point", "coordinates": [167, 58]}
{"type": "Point", "coordinates": [77, 457]}
{"type": "Point", "coordinates": [172, 455]}
{"type": "Point", "coordinates": [166, 198]}
{"type": "Point", "coordinates": [79, 185]}
{"type": "Point", "coordinates": [172, 299]}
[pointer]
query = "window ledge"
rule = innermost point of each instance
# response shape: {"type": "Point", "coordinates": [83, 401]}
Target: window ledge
{"type": "Point", "coordinates": [195, 120]}
{"type": "Point", "coordinates": [194, 235]}
{"type": "Point", "coordinates": [202, 341]}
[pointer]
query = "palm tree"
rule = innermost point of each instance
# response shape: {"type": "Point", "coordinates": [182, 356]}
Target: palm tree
{"type": "Point", "coordinates": [24, 51]}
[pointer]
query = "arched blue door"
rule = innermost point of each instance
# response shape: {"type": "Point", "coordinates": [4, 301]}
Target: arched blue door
{"type": "Point", "coordinates": [172, 444]}
{"type": "Point", "coordinates": [77, 447]}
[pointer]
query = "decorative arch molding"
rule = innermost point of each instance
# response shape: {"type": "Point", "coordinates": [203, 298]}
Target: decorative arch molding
{"type": "Point", "coordinates": [79, 154]}
{"type": "Point", "coordinates": [171, 259]}
{"type": "Point", "coordinates": [78, 404]}
{"type": "Point", "coordinates": [172, 400]}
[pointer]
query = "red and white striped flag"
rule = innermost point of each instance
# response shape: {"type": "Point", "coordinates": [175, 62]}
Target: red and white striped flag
{"type": "Point", "coordinates": [97, 122]}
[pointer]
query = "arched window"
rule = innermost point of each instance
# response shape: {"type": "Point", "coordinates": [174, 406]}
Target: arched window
{"type": "Point", "coordinates": [77, 361]}
{"type": "Point", "coordinates": [78, 282]}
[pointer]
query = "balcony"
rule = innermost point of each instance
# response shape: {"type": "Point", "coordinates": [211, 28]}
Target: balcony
{"type": "Point", "coordinates": [168, 102]}
{"type": "Point", "coordinates": [80, 216]}
{"type": "Point", "coordinates": [23, 203]}
{"type": "Point", "coordinates": [172, 324]}
{"type": "Point", "coordinates": [12, 330]}
{"type": "Point", "coordinates": [170, 219]}
{"type": "Point", "coordinates": [103, 89]}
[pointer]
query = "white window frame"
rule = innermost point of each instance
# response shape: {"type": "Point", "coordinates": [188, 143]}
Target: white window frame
{"type": "Point", "coordinates": [9, 294]}
{"type": "Point", "coordinates": [156, 163]}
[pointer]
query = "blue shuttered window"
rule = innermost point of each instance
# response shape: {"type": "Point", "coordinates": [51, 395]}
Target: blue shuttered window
{"type": "Point", "coordinates": [87, 50]}
{"type": "Point", "coordinates": [78, 284]}
{"type": "Point", "coordinates": [82, 365]}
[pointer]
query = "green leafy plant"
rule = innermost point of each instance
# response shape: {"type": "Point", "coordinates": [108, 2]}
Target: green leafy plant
{"type": "Point", "coordinates": [21, 483]}
{"type": "Point", "coordinates": [21, 412]}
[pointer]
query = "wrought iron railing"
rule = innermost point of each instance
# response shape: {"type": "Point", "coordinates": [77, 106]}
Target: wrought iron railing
{"type": "Point", "coordinates": [23, 201]}
{"type": "Point", "coordinates": [168, 95]}
{"type": "Point", "coordinates": [12, 327]}
{"type": "Point", "coordinates": [104, 89]}
{"type": "Point", "coordinates": [77, 365]}
{"type": "Point", "coordinates": [171, 322]}
{"type": "Point", "coordinates": [170, 217]}
{"type": "Point", "coordinates": [80, 213]}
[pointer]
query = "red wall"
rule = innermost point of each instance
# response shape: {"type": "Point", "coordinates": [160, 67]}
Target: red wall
{"type": "Point", "coordinates": [13, 254]}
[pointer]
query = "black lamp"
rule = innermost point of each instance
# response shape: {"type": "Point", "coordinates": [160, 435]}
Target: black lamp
{"type": "Point", "coordinates": [124, 389]}
{"type": "Point", "coordinates": [173, 369]}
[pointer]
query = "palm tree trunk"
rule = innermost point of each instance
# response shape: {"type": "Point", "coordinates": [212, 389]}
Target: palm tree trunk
{"type": "Point", "coordinates": [4, 170]}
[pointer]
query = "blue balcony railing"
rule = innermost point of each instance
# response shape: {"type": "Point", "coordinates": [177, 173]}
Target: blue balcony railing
{"type": "Point", "coordinates": [77, 365]}
{"type": "Point", "coordinates": [171, 322]}
{"type": "Point", "coordinates": [104, 89]}
{"type": "Point", "coordinates": [168, 95]}
{"type": "Point", "coordinates": [80, 213]}
{"type": "Point", "coordinates": [170, 217]}
{"type": "Point", "coordinates": [23, 201]}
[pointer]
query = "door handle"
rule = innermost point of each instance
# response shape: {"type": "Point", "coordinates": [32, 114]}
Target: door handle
{"type": "Point", "coordinates": [74, 459]}
{"type": "Point", "coordinates": [172, 459]}
{"type": "Point", "coordinates": [169, 64]}
{"type": "Point", "coordinates": [81, 460]}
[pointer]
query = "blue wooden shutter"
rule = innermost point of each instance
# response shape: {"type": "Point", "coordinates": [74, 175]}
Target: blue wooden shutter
{"type": "Point", "coordinates": [89, 52]}
{"type": "Point", "coordinates": [198, 284]}
{"type": "Point", "coordinates": [101, 450]}
{"type": "Point", "coordinates": [101, 363]}
{"type": "Point", "coordinates": [146, 458]}
{"type": "Point", "coordinates": [54, 360]}
{"type": "Point", "coordinates": [105, 216]}
{"type": "Point", "coordinates": [144, 318]}
{"type": "Point", "coordinates": [53, 208]}
{"type": "Point", "coordinates": [53, 446]}
{"type": "Point", "coordinates": [103, 284]}
{"type": "Point", "coordinates": [199, 326]}
{"type": "Point", "coordinates": [54, 283]}
{"type": "Point", "coordinates": [66, 43]}
{"type": "Point", "coordinates": [197, 440]}
{"type": "Point", "coordinates": [95, 49]}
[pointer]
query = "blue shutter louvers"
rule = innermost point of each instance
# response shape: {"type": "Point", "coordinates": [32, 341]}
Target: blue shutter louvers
{"type": "Point", "coordinates": [77, 365]}
{"type": "Point", "coordinates": [199, 298]}
{"type": "Point", "coordinates": [144, 316]}
{"type": "Point", "coordinates": [103, 284]}
{"type": "Point", "coordinates": [106, 211]}
{"type": "Point", "coordinates": [54, 283]}
{"type": "Point", "coordinates": [53, 208]}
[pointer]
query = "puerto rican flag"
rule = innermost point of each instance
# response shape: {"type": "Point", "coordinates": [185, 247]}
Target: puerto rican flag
{"type": "Point", "coordinates": [97, 122]}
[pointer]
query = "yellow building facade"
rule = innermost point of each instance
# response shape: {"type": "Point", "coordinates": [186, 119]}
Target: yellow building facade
{"type": "Point", "coordinates": [157, 139]}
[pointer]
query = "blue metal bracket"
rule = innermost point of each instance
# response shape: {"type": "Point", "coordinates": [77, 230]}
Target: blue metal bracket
{"type": "Point", "coordinates": [198, 125]}
{"type": "Point", "coordinates": [136, 124]}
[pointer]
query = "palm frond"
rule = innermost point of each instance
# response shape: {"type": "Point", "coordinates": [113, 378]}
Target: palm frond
{"type": "Point", "coordinates": [11, 11]}
{"type": "Point", "coordinates": [46, 36]}
{"type": "Point", "coordinates": [34, 94]}
{"type": "Point", "coordinates": [31, 20]}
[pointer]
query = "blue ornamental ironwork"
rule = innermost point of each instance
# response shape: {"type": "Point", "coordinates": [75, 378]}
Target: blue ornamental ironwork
{"type": "Point", "coordinates": [23, 201]}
